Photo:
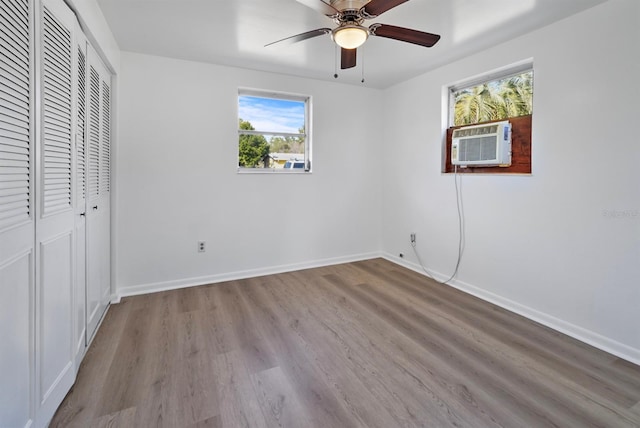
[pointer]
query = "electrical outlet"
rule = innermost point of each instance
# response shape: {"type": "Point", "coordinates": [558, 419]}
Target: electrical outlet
{"type": "Point", "coordinates": [201, 246]}
{"type": "Point", "coordinates": [413, 238]}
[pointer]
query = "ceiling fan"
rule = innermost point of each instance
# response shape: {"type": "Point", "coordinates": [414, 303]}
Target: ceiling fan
{"type": "Point", "coordinates": [351, 34]}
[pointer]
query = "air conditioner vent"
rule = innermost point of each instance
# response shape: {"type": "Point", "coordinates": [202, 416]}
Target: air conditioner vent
{"type": "Point", "coordinates": [473, 131]}
{"type": "Point", "coordinates": [482, 145]}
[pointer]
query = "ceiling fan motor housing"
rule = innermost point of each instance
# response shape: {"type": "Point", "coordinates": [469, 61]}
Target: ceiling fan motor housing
{"type": "Point", "coordinates": [348, 4]}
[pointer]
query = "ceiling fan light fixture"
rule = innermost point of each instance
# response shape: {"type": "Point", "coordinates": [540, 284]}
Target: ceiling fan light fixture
{"type": "Point", "coordinates": [350, 36]}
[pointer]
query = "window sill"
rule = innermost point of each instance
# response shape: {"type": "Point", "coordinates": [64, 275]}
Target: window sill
{"type": "Point", "coordinates": [276, 171]}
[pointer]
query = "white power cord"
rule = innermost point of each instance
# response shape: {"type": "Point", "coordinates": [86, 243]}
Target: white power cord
{"type": "Point", "coordinates": [460, 208]}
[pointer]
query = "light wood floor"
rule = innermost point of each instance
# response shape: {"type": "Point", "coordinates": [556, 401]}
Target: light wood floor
{"type": "Point", "coordinates": [365, 344]}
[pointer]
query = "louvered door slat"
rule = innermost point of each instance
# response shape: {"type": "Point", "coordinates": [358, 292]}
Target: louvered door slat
{"type": "Point", "coordinates": [20, 5]}
{"type": "Point", "coordinates": [15, 198]}
{"type": "Point", "coordinates": [58, 32]}
{"type": "Point", "coordinates": [54, 62]}
{"type": "Point", "coordinates": [93, 173]}
{"type": "Point", "coordinates": [13, 95]}
{"type": "Point", "coordinates": [56, 111]}
{"type": "Point", "coordinates": [16, 182]}
{"type": "Point", "coordinates": [16, 209]}
{"type": "Point", "coordinates": [10, 72]}
{"type": "Point", "coordinates": [81, 142]}
{"type": "Point", "coordinates": [105, 144]}
{"type": "Point", "coordinates": [12, 191]}
{"type": "Point", "coordinates": [57, 87]}
{"type": "Point", "coordinates": [12, 127]}
{"type": "Point", "coordinates": [55, 46]}
{"type": "Point", "coordinates": [57, 130]}
{"type": "Point", "coordinates": [13, 19]}
{"type": "Point", "coordinates": [57, 115]}
{"type": "Point", "coordinates": [12, 115]}
{"type": "Point", "coordinates": [12, 102]}
{"type": "Point", "coordinates": [17, 50]}
{"type": "Point", "coordinates": [19, 8]}
{"type": "Point", "coordinates": [15, 114]}
{"type": "Point", "coordinates": [13, 82]}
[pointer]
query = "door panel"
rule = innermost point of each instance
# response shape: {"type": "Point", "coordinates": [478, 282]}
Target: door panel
{"type": "Point", "coordinates": [80, 331]}
{"type": "Point", "coordinates": [55, 324]}
{"type": "Point", "coordinates": [17, 238]}
{"type": "Point", "coordinates": [16, 333]}
{"type": "Point", "coordinates": [98, 191]}
{"type": "Point", "coordinates": [55, 229]}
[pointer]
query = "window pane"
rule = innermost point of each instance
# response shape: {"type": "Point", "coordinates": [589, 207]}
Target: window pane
{"type": "Point", "coordinates": [499, 99]}
{"type": "Point", "coordinates": [271, 131]}
{"type": "Point", "coordinates": [270, 151]}
{"type": "Point", "coordinates": [272, 115]}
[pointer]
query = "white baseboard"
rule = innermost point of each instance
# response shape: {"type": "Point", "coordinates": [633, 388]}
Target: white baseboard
{"type": "Point", "coordinates": [594, 339]}
{"type": "Point", "coordinates": [232, 276]}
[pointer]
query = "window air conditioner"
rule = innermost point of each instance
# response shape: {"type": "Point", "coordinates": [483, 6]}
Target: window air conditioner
{"type": "Point", "coordinates": [488, 144]}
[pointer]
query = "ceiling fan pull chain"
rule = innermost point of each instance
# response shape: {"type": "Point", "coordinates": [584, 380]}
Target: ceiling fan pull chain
{"type": "Point", "coordinates": [362, 60]}
{"type": "Point", "coordinates": [335, 61]}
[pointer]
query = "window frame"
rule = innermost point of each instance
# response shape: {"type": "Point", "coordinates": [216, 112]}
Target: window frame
{"type": "Point", "coordinates": [521, 125]}
{"type": "Point", "coordinates": [284, 96]}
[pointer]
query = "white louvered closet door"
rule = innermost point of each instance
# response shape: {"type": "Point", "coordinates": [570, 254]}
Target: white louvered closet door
{"type": "Point", "coordinates": [98, 190]}
{"type": "Point", "coordinates": [80, 295]}
{"type": "Point", "coordinates": [55, 240]}
{"type": "Point", "coordinates": [17, 254]}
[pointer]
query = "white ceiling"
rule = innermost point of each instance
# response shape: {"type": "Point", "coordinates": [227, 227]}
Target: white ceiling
{"type": "Point", "coordinates": [234, 32]}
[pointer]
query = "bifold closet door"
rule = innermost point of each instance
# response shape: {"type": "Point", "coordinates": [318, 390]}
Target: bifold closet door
{"type": "Point", "coordinates": [17, 252]}
{"type": "Point", "coordinates": [55, 231]}
{"type": "Point", "coordinates": [98, 191]}
{"type": "Point", "coordinates": [80, 295]}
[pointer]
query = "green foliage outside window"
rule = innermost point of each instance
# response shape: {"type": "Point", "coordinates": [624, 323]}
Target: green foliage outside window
{"type": "Point", "coordinates": [252, 149]}
{"type": "Point", "coordinates": [495, 100]}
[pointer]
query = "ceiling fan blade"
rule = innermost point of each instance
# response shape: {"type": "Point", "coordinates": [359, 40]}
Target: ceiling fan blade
{"type": "Point", "coordinates": [347, 58]}
{"type": "Point", "coordinates": [378, 7]}
{"type": "Point", "coordinates": [404, 34]}
{"type": "Point", "coordinates": [302, 36]}
{"type": "Point", "coordinates": [320, 6]}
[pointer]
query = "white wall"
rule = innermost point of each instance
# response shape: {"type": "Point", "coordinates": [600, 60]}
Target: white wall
{"type": "Point", "coordinates": [562, 245]}
{"type": "Point", "coordinates": [177, 178]}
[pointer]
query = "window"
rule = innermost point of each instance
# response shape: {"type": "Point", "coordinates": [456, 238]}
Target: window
{"type": "Point", "coordinates": [273, 132]}
{"type": "Point", "coordinates": [497, 96]}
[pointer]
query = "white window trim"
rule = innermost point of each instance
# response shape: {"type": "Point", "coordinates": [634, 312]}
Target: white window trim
{"type": "Point", "coordinates": [307, 126]}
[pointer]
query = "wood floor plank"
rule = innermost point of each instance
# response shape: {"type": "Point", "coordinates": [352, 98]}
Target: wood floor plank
{"type": "Point", "coordinates": [80, 406]}
{"type": "Point", "coordinates": [567, 353]}
{"type": "Point", "coordinates": [323, 407]}
{"type": "Point", "coordinates": [278, 399]}
{"type": "Point", "coordinates": [122, 418]}
{"type": "Point", "coordinates": [396, 361]}
{"type": "Point", "coordinates": [364, 344]}
{"type": "Point", "coordinates": [522, 378]}
{"type": "Point", "coordinates": [239, 405]}
{"type": "Point", "coordinates": [356, 398]}
{"type": "Point", "coordinates": [256, 352]}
